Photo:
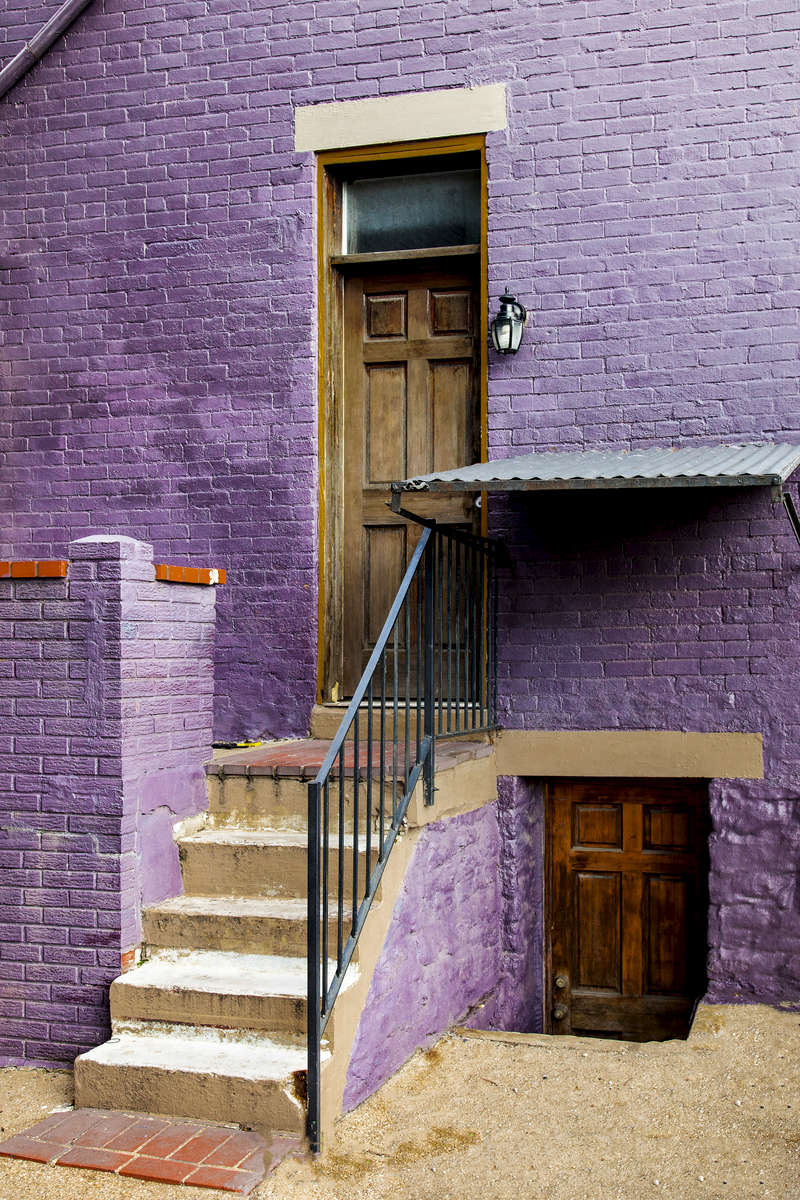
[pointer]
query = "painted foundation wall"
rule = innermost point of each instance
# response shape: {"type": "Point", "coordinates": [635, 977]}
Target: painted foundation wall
{"type": "Point", "coordinates": [107, 695]}
{"type": "Point", "coordinates": [464, 944]}
{"type": "Point", "coordinates": [159, 281]}
{"type": "Point", "coordinates": [674, 610]}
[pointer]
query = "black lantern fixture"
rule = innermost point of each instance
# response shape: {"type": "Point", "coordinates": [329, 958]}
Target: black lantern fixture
{"type": "Point", "coordinates": [507, 326]}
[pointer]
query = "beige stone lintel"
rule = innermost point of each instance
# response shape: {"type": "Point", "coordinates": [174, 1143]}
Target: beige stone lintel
{"type": "Point", "coordinates": [630, 753]}
{"type": "Point", "coordinates": [413, 116]}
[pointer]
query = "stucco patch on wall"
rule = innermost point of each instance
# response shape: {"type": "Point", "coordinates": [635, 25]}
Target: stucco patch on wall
{"type": "Point", "coordinates": [754, 895]}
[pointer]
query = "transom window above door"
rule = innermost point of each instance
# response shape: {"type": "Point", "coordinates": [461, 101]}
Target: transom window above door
{"type": "Point", "coordinates": [411, 211]}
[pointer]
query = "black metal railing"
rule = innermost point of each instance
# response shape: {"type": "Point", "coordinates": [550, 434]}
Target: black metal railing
{"type": "Point", "coordinates": [430, 676]}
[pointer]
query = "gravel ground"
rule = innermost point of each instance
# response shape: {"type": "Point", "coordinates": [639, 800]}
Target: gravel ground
{"type": "Point", "coordinates": [523, 1116]}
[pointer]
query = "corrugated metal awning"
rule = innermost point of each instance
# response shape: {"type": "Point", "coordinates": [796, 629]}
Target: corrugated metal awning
{"type": "Point", "coordinates": [757, 464]}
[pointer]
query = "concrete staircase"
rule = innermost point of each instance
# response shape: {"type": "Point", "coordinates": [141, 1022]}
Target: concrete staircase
{"type": "Point", "coordinates": [212, 1024]}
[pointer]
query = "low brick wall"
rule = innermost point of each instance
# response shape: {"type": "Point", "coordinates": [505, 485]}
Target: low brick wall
{"type": "Point", "coordinates": [106, 691]}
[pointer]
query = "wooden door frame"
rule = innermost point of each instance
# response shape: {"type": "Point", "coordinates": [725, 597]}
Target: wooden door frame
{"type": "Point", "coordinates": [330, 302]}
{"type": "Point", "coordinates": [547, 873]}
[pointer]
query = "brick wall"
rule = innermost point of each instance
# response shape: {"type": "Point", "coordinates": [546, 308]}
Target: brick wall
{"type": "Point", "coordinates": [158, 273]}
{"type": "Point", "coordinates": [107, 692]}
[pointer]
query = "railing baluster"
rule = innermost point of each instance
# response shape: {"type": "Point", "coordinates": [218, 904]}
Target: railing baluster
{"type": "Point", "coordinates": [383, 752]}
{"type": "Point", "coordinates": [356, 774]}
{"type": "Point", "coordinates": [458, 586]}
{"type": "Point", "coordinates": [430, 648]}
{"type": "Point", "coordinates": [395, 676]}
{"type": "Point", "coordinates": [475, 646]}
{"type": "Point", "coordinates": [326, 821]}
{"type": "Point", "coordinates": [407, 738]}
{"type": "Point", "coordinates": [419, 672]}
{"type": "Point", "coordinates": [440, 611]}
{"type": "Point", "coordinates": [481, 634]}
{"type": "Point", "coordinates": [449, 632]}
{"type": "Point", "coordinates": [370, 757]}
{"type": "Point", "coordinates": [467, 636]}
{"type": "Point", "coordinates": [340, 880]}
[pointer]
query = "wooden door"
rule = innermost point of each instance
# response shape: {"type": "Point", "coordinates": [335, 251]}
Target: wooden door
{"type": "Point", "coordinates": [626, 908]}
{"type": "Point", "coordinates": [411, 386]}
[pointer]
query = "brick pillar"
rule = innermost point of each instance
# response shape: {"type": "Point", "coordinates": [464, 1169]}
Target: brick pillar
{"type": "Point", "coordinates": [107, 692]}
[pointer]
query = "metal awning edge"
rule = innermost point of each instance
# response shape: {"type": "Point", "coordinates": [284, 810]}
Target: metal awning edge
{"type": "Point", "coordinates": [579, 484]}
{"type": "Point", "coordinates": [529, 472]}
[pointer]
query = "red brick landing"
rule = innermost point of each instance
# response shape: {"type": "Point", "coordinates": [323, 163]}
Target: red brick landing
{"type": "Point", "coordinates": [154, 1148]}
{"type": "Point", "coordinates": [302, 757]}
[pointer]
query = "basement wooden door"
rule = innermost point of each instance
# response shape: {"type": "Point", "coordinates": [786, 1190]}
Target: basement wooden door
{"type": "Point", "coordinates": [411, 406]}
{"type": "Point", "coordinates": [627, 881]}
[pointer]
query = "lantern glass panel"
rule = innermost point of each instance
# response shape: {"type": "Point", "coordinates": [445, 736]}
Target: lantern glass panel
{"type": "Point", "coordinates": [502, 334]}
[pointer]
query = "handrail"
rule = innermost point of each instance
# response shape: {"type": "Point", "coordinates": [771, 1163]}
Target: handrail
{"type": "Point", "coordinates": [433, 664]}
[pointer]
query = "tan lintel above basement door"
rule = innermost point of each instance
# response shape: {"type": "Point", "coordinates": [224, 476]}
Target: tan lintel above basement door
{"type": "Point", "coordinates": [629, 754]}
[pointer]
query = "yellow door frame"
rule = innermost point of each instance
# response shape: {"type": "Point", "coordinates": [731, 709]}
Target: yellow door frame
{"type": "Point", "coordinates": [329, 230]}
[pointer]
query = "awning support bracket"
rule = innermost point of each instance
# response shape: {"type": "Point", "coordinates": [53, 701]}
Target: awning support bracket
{"type": "Point", "coordinates": [791, 512]}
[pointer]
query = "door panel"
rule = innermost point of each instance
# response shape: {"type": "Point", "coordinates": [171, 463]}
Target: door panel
{"type": "Point", "coordinates": [598, 907]}
{"type": "Point", "coordinates": [626, 907]}
{"type": "Point", "coordinates": [410, 406]}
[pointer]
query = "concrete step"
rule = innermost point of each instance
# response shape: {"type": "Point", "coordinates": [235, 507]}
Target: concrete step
{"type": "Point", "coordinates": [221, 989]}
{"type": "Point", "coordinates": [195, 1072]}
{"type": "Point", "coordinates": [250, 862]}
{"type": "Point", "coordinates": [248, 925]}
{"type": "Point", "coordinates": [241, 794]}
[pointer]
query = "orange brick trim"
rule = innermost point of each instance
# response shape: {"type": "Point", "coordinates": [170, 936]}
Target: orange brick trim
{"type": "Point", "coordinates": [170, 574]}
{"type": "Point", "coordinates": [42, 568]}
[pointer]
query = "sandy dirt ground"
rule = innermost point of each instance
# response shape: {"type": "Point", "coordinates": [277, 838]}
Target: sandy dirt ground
{"type": "Point", "coordinates": [510, 1116]}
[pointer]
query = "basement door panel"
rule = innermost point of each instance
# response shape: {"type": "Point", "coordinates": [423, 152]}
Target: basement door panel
{"type": "Point", "coordinates": [598, 905]}
{"type": "Point", "coordinates": [410, 407]}
{"type": "Point", "coordinates": [627, 888]}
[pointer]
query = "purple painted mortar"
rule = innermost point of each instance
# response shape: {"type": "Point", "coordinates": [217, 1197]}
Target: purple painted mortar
{"type": "Point", "coordinates": [464, 944]}
{"type": "Point", "coordinates": [158, 266]}
{"type": "Point", "coordinates": [107, 707]}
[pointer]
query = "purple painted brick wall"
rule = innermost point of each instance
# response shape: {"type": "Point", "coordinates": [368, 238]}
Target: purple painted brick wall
{"type": "Point", "coordinates": [21, 20]}
{"type": "Point", "coordinates": [107, 705]}
{"type": "Point", "coordinates": [158, 251]}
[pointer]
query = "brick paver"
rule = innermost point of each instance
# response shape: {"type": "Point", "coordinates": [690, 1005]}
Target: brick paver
{"type": "Point", "coordinates": [154, 1148]}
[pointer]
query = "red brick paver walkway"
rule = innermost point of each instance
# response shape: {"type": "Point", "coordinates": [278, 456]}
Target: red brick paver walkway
{"type": "Point", "coordinates": [155, 1148]}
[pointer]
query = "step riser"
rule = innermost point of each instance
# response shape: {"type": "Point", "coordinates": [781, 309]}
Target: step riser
{"type": "Point", "coordinates": [283, 803]}
{"type": "Point", "coordinates": [217, 869]}
{"type": "Point", "coordinates": [206, 1096]}
{"type": "Point", "coordinates": [271, 1014]}
{"type": "Point", "coordinates": [247, 935]}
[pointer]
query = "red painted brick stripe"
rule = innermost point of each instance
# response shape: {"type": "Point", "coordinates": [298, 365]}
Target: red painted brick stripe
{"type": "Point", "coordinates": [56, 568]}
{"type": "Point", "coordinates": [42, 568]}
{"type": "Point", "coordinates": [171, 574]}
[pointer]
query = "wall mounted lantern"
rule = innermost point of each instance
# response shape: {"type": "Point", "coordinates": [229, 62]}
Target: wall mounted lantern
{"type": "Point", "coordinates": [507, 326]}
